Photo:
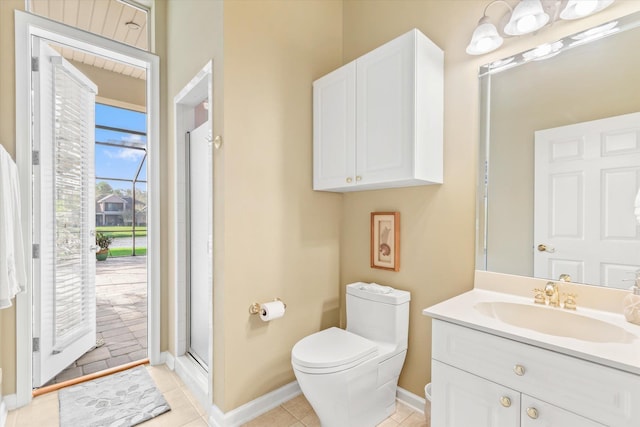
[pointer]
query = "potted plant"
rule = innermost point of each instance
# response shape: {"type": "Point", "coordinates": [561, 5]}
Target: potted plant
{"type": "Point", "coordinates": [103, 242]}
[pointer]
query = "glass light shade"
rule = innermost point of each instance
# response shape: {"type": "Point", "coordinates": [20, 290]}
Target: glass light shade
{"type": "Point", "coordinates": [527, 17]}
{"type": "Point", "coordinates": [576, 9]}
{"type": "Point", "coordinates": [485, 38]}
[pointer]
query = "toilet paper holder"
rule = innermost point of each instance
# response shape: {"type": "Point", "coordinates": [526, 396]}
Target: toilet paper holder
{"type": "Point", "coordinates": [255, 307]}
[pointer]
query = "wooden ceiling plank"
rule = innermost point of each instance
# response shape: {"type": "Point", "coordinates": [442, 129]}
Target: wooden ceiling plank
{"type": "Point", "coordinates": [85, 14]}
{"type": "Point", "coordinates": [56, 10]}
{"type": "Point", "coordinates": [100, 8]}
{"type": "Point", "coordinates": [40, 7]}
{"type": "Point", "coordinates": [111, 19]}
{"type": "Point", "coordinates": [70, 12]}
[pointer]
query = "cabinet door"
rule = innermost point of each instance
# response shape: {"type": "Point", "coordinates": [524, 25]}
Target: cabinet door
{"type": "Point", "coordinates": [460, 399]}
{"type": "Point", "coordinates": [385, 97]}
{"type": "Point", "coordinates": [536, 413]}
{"type": "Point", "coordinates": [334, 114]}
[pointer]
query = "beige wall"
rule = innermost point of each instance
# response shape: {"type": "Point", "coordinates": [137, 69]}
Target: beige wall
{"type": "Point", "coordinates": [437, 222]}
{"type": "Point", "coordinates": [274, 236]}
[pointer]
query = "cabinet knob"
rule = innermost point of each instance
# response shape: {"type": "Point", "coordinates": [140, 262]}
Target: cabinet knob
{"type": "Point", "coordinates": [358, 178]}
{"type": "Point", "coordinates": [532, 413]}
{"type": "Point", "coordinates": [349, 180]}
{"type": "Point", "coordinates": [505, 401]}
{"type": "Point", "coordinates": [519, 370]}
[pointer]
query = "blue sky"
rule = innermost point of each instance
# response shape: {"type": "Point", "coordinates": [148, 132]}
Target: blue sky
{"type": "Point", "coordinates": [117, 162]}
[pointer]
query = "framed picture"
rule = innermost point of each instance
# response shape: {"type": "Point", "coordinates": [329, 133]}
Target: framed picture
{"type": "Point", "coordinates": [385, 240]}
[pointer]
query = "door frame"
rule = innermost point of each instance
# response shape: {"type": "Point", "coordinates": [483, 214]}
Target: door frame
{"type": "Point", "coordinates": [191, 373]}
{"type": "Point", "coordinates": [26, 26]}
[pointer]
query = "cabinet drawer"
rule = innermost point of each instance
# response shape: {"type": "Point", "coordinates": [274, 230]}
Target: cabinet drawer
{"type": "Point", "coordinates": [604, 394]}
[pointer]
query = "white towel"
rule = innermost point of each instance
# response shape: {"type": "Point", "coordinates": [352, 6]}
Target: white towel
{"type": "Point", "coordinates": [637, 207]}
{"type": "Point", "coordinates": [13, 273]}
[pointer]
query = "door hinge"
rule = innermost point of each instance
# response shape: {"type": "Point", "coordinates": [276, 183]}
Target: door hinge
{"type": "Point", "coordinates": [35, 251]}
{"type": "Point", "coordinates": [35, 64]}
{"type": "Point", "coordinates": [35, 158]}
{"type": "Point", "coordinates": [36, 344]}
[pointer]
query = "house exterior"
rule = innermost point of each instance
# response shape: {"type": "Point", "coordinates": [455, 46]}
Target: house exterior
{"type": "Point", "coordinates": [110, 210]}
{"type": "Point", "coordinates": [116, 210]}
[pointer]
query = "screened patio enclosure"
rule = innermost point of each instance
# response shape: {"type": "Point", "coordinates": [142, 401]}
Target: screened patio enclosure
{"type": "Point", "coordinates": [121, 175]}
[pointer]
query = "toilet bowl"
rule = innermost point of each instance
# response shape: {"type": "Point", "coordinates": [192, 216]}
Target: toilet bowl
{"type": "Point", "coordinates": [350, 376]}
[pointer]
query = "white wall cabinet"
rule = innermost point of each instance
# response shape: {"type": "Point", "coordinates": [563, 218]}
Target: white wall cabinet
{"type": "Point", "coordinates": [378, 121]}
{"type": "Point", "coordinates": [482, 380]}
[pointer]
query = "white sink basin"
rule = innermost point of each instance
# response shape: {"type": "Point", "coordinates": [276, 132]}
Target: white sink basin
{"type": "Point", "coordinates": [554, 321]}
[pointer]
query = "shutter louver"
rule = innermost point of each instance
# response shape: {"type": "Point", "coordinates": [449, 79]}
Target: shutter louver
{"type": "Point", "coordinates": [73, 132]}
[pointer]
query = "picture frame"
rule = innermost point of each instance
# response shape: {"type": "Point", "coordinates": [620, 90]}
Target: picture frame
{"type": "Point", "coordinates": [385, 240]}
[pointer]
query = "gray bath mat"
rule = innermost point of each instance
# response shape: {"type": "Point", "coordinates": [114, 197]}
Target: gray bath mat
{"type": "Point", "coordinates": [119, 400]}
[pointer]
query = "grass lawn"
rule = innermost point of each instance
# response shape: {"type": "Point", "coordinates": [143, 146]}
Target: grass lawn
{"type": "Point", "coordinates": [120, 231]}
{"type": "Point", "coordinates": [116, 252]}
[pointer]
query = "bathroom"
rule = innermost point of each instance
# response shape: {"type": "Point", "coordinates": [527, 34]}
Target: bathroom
{"type": "Point", "coordinates": [274, 236]}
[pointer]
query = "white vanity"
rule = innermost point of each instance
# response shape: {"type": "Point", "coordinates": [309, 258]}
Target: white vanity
{"type": "Point", "coordinates": [501, 360]}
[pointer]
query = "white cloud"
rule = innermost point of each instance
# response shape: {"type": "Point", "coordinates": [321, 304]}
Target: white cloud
{"type": "Point", "coordinates": [125, 154]}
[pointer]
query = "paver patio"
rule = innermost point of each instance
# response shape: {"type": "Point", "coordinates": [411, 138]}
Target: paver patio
{"type": "Point", "coordinates": [121, 317]}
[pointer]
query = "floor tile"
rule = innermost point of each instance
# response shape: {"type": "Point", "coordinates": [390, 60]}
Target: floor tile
{"type": "Point", "coordinates": [389, 422]}
{"type": "Point", "coordinates": [402, 412]}
{"type": "Point", "coordinates": [415, 420]}
{"type": "Point", "coordinates": [277, 417]}
{"type": "Point", "coordinates": [299, 407]}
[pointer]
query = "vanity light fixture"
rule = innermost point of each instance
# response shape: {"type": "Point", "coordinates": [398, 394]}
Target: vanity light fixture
{"type": "Point", "coordinates": [485, 37]}
{"type": "Point", "coordinates": [576, 9]}
{"type": "Point", "coordinates": [526, 17]}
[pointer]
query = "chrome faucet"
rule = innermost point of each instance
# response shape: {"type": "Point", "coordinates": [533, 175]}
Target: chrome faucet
{"type": "Point", "coordinates": [553, 293]}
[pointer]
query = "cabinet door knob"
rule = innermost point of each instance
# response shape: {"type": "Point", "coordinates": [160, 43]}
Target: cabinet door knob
{"type": "Point", "coordinates": [533, 413]}
{"type": "Point", "coordinates": [519, 370]}
{"type": "Point", "coordinates": [349, 180]}
{"type": "Point", "coordinates": [505, 401]}
{"type": "Point", "coordinates": [358, 178]}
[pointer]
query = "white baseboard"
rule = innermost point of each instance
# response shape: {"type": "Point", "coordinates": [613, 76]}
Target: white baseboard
{"type": "Point", "coordinates": [413, 401]}
{"type": "Point", "coordinates": [195, 378]}
{"type": "Point", "coordinates": [11, 401]}
{"type": "Point", "coordinates": [168, 359]}
{"type": "Point", "coordinates": [253, 409]}
{"type": "Point", "coordinates": [3, 412]}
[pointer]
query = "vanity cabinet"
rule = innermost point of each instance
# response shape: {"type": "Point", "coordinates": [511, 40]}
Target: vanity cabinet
{"type": "Point", "coordinates": [378, 121]}
{"type": "Point", "coordinates": [481, 379]}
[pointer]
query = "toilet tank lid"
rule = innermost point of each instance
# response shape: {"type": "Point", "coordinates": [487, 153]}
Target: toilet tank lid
{"type": "Point", "coordinates": [379, 293]}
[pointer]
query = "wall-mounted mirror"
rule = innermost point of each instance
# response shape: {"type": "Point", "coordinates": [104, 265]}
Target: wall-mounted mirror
{"type": "Point", "coordinates": [560, 159]}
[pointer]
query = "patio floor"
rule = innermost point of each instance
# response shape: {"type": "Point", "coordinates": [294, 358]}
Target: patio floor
{"type": "Point", "coordinates": [121, 317]}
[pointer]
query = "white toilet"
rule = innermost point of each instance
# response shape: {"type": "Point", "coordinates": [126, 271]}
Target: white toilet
{"type": "Point", "coordinates": [350, 376]}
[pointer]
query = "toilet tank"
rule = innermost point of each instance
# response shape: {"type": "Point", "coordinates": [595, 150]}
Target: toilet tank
{"type": "Point", "coordinates": [379, 313]}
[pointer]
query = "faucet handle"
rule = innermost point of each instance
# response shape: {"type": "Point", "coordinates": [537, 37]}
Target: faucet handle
{"type": "Point", "coordinates": [539, 297]}
{"type": "Point", "coordinates": [550, 288]}
{"type": "Point", "coordinates": [570, 301]}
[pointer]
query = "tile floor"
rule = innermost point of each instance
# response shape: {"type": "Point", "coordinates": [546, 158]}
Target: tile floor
{"type": "Point", "coordinates": [121, 318]}
{"type": "Point", "coordinates": [297, 412]}
{"type": "Point", "coordinates": [185, 410]}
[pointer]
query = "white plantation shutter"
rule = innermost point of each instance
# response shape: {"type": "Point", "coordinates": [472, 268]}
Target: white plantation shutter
{"type": "Point", "coordinates": [64, 305]}
{"type": "Point", "coordinates": [73, 161]}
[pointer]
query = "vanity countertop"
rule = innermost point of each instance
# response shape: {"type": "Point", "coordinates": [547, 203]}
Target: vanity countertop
{"type": "Point", "coordinates": [462, 310]}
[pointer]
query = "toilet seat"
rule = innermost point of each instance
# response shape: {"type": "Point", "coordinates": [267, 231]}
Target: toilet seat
{"type": "Point", "coordinates": [331, 350]}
